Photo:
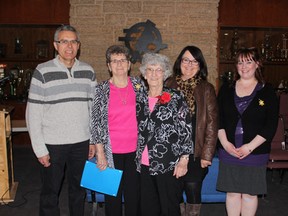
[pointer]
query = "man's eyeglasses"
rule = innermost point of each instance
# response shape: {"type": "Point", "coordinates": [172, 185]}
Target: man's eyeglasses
{"type": "Point", "coordinates": [121, 61]}
{"type": "Point", "coordinates": [187, 61]}
{"type": "Point", "coordinates": [66, 42]}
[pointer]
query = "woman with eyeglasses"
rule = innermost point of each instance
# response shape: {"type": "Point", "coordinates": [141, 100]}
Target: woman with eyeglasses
{"type": "Point", "coordinates": [190, 73]}
{"type": "Point", "coordinates": [164, 139]}
{"type": "Point", "coordinates": [248, 114]}
{"type": "Point", "coordinates": [114, 129]}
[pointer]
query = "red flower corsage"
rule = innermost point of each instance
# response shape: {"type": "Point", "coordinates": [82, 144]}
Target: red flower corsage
{"type": "Point", "coordinates": [164, 98]}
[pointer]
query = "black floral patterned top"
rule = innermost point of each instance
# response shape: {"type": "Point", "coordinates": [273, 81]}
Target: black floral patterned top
{"type": "Point", "coordinates": [166, 131]}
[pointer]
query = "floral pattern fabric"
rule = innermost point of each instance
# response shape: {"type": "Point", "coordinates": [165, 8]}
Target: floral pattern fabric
{"type": "Point", "coordinates": [166, 131]}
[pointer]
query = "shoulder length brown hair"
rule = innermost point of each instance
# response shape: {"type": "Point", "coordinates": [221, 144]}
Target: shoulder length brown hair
{"type": "Point", "coordinates": [250, 54]}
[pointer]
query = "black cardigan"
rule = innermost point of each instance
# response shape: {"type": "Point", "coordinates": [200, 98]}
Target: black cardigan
{"type": "Point", "coordinates": [260, 117]}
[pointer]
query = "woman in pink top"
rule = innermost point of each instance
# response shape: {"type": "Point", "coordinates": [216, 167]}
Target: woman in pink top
{"type": "Point", "coordinates": [114, 129]}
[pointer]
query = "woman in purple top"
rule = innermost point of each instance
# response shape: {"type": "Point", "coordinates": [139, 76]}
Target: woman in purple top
{"type": "Point", "coordinates": [248, 114]}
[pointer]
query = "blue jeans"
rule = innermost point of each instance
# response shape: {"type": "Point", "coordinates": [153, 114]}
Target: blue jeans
{"type": "Point", "coordinates": [72, 157]}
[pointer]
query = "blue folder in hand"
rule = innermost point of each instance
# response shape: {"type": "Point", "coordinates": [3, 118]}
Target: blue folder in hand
{"type": "Point", "coordinates": [104, 181]}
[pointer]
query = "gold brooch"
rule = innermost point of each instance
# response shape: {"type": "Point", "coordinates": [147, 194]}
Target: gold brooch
{"type": "Point", "coordinates": [138, 86]}
{"type": "Point", "coordinates": [261, 102]}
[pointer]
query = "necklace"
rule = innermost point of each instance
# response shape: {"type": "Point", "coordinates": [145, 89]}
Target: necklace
{"type": "Point", "coordinates": [124, 97]}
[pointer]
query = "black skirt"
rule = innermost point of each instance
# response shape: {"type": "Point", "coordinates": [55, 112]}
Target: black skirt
{"type": "Point", "coordinates": [242, 179]}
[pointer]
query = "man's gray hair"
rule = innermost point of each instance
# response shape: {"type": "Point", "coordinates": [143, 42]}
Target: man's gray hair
{"type": "Point", "coordinates": [65, 28]}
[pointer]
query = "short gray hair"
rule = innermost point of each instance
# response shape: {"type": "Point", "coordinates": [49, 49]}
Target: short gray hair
{"type": "Point", "coordinates": [65, 28]}
{"type": "Point", "coordinates": [156, 59]}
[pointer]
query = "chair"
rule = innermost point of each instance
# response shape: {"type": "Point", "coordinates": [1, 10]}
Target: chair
{"type": "Point", "coordinates": [278, 158]}
{"type": "Point", "coordinates": [209, 192]}
{"type": "Point", "coordinates": [283, 108]}
{"type": "Point", "coordinates": [283, 111]}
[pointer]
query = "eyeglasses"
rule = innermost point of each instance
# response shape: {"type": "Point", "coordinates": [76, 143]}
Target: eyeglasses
{"type": "Point", "coordinates": [66, 42]}
{"type": "Point", "coordinates": [187, 61]}
{"type": "Point", "coordinates": [158, 71]}
{"type": "Point", "coordinates": [121, 61]}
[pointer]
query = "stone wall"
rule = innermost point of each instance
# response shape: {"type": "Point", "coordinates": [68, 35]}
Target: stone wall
{"type": "Point", "coordinates": [180, 22]}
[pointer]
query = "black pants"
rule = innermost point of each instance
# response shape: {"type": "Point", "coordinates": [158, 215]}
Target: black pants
{"type": "Point", "coordinates": [73, 156]}
{"type": "Point", "coordinates": [160, 194]}
{"type": "Point", "coordinates": [129, 187]}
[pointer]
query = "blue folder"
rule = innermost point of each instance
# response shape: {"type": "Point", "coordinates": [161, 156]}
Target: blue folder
{"type": "Point", "coordinates": [104, 181]}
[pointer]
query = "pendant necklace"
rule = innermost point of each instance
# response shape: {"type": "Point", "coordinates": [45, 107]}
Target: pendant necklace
{"type": "Point", "coordinates": [124, 97]}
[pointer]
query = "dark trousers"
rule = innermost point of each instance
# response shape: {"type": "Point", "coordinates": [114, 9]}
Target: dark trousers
{"type": "Point", "coordinates": [129, 187]}
{"type": "Point", "coordinates": [73, 157]}
{"type": "Point", "coordinates": [160, 194]}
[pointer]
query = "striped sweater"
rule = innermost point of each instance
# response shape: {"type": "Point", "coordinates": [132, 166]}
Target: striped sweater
{"type": "Point", "coordinates": [58, 107]}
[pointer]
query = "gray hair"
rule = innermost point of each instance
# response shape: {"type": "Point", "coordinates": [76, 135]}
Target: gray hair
{"type": "Point", "coordinates": [156, 59]}
{"type": "Point", "coordinates": [117, 49]}
{"type": "Point", "coordinates": [65, 28]}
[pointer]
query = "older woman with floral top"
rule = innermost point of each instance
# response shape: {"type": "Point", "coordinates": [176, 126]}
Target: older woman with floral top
{"type": "Point", "coordinates": [164, 139]}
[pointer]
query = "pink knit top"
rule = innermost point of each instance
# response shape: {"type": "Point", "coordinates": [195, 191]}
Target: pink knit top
{"type": "Point", "coordinates": [145, 155]}
{"type": "Point", "coordinates": [122, 121]}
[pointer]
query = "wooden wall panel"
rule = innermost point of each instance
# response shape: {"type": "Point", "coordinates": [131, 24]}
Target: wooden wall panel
{"type": "Point", "coordinates": [254, 19]}
{"type": "Point", "coordinates": [256, 13]}
{"type": "Point", "coordinates": [34, 12]}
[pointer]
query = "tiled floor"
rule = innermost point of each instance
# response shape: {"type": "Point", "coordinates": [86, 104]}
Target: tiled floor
{"type": "Point", "coordinates": [27, 174]}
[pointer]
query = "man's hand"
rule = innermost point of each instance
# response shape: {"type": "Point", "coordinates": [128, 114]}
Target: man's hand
{"type": "Point", "coordinates": [45, 160]}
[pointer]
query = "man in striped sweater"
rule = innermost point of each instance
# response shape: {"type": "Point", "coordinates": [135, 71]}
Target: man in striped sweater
{"type": "Point", "coordinates": [57, 116]}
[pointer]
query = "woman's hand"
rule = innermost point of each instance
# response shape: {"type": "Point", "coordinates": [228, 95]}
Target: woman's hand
{"type": "Point", "coordinates": [101, 160]}
{"type": "Point", "coordinates": [205, 163]}
{"type": "Point", "coordinates": [247, 148]}
{"type": "Point", "coordinates": [244, 151]}
{"type": "Point", "coordinates": [92, 151]}
{"type": "Point", "coordinates": [181, 167]}
{"type": "Point", "coordinates": [100, 157]}
{"type": "Point", "coordinates": [228, 146]}
{"type": "Point", "coordinates": [231, 149]}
